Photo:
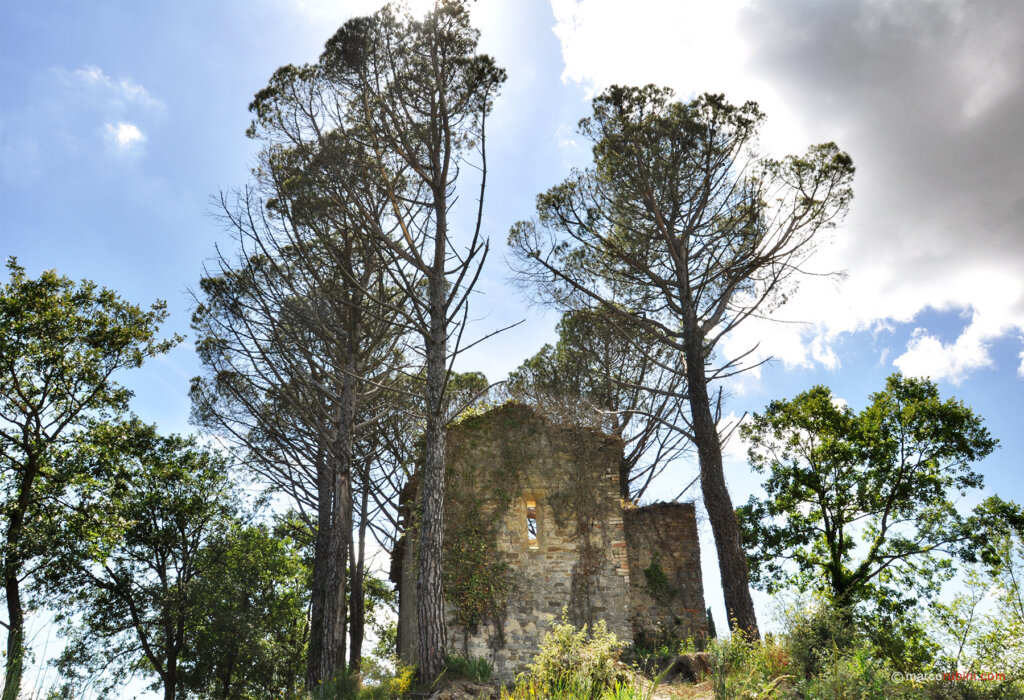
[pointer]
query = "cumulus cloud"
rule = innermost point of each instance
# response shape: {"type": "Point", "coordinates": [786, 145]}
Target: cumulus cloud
{"type": "Point", "coordinates": [678, 43]}
{"type": "Point", "coordinates": [926, 97]}
{"type": "Point", "coordinates": [124, 136]}
{"type": "Point", "coordinates": [927, 356]}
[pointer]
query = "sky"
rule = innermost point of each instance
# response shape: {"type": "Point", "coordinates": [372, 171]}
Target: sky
{"type": "Point", "coordinates": [120, 121]}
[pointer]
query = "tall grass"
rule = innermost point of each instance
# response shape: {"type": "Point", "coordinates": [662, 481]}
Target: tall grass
{"type": "Point", "coordinates": [349, 686]}
{"type": "Point", "coordinates": [474, 668]}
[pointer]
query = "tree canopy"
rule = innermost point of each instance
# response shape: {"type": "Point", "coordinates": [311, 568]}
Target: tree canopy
{"type": "Point", "coordinates": [863, 505]}
{"type": "Point", "coordinates": [172, 583]}
{"type": "Point", "coordinates": [62, 345]}
{"type": "Point", "coordinates": [683, 231]}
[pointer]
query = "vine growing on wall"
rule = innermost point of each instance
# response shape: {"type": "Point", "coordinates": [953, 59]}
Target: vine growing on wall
{"type": "Point", "coordinates": [579, 502]}
{"type": "Point", "coordinates": [658, 585]}
{"type": "Point", "coordinates": [477, 580]}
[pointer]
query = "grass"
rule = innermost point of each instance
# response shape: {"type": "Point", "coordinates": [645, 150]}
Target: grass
{"type": "Point", "coordinates": [475, 668]}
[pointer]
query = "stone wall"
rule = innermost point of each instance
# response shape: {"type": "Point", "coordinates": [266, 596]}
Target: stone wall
{"type": "Point", "coordinates": [666, 593]}
{"type": "Point", "coordinates": [504, 585]}
{"type": "Point", "coordinates": [508, 460]}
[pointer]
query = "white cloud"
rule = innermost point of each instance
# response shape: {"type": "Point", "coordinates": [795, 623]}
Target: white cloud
{"type": "Point", "coordinates": [933, 126]}
{"type": "Point", "coordinates": [927, 356]}
{"type": "Point", "coordinates": [823, 353]}
{"type": "Point", "coordinates": [124, 137]}
{"type": "Point", "coordinates": [678, 39]}
{"type": "Point", "coordinates": [691, 46]}
{"type": "Point", "coordinates": [73, 113]}
{"type": "Point", "coordinates": [118, 94]}
{"type": "Point", "coordinates": [993, 314]}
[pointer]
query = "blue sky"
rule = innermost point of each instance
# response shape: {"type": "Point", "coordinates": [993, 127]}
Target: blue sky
{"type": "Point", "coordinates": [120, 120]}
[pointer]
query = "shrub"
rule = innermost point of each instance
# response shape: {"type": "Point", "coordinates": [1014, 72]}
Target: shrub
{"type": "Point", "coordinates": [853, 674]}
{"type": "Point", "coordinates": [387, 684]}
{"type": "Point", "coordinates": [575, 664]}
{"type": "Point", "coordinates": [812, 628]}
{"type": "Point", "coordinates": [341, 687]}
{"type": "Point", "coordinates": [663, 643]}
{"type": "Point", "coordinates": [567, 653]}
{"type": "Point", "coordinates": [746, 669]}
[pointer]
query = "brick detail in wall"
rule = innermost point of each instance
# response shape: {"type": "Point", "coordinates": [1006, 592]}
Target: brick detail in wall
{"type": "Point", "coordinates": [666, 592]}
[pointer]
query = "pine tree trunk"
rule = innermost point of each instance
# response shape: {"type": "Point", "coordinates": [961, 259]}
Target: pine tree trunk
{"type": "Point", "coordinates": [342, 538]}
{"type": "Point", "coordinates": [732, 560]}
{"type": "Point", "coordinates": [357, 565]}
{"type": "Point", "coordinates": [429, 588]}
{"type": "Point", "coordinates": [315, 666]}
{"type": "Point", "coordinates": [326, 659]}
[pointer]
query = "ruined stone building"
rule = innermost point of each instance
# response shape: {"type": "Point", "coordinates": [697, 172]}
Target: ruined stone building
{"type": "Point", "coordinates": [534, 524]}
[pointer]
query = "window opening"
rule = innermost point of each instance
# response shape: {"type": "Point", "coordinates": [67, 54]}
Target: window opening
{"type": "Point", "coordinates": [531, 523]}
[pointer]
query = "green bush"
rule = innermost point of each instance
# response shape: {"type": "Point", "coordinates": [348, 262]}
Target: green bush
{"type": "Point", "coordinates": [577, 665]}
{"type": "Point", "coordinates": [663, 643]}
{"type": "Point", "coordinates": [341, 687]}
{"type": "Point", "coordinates": [856, 674]}
{"type": "Point", "coordinates": [826, 653]}
{"type": "Point", "coordinates": [813, 628]}
{"type": "Point", "coordinates": [387, 685]}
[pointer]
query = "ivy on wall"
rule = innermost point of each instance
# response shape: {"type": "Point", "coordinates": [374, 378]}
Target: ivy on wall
{"type": "Point", "coordinates": [487, 450]}
{"type": "Point", "coordinates": [657, 582]}
{"type": "Point", "coordinates": [477, 580]}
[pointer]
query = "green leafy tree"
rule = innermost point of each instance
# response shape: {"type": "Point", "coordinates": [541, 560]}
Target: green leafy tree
{"type": "Point", "coordinates": [862, 505]}
{"type": "Point", "coordinates": [985, 638]}
{"type": "Point", "coordinates": [173, 584]}
{"type": "Point", "coordinates": [61, 344]}
{"type": "Point", "coordinates": [683, 231]}
{"type": "Point", "coordinates": [129, 592]}
{"type": "Point", "coordinates": [249, 639]}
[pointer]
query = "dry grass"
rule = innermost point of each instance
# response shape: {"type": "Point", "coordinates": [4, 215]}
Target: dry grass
{"type": "Point", "coordinates": [684, 691]}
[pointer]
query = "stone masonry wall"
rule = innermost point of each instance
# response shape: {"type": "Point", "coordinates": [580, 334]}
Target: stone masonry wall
{"type": "Point", "coordinates": [498, 463]}
{"type": "Point", "coordinates": [577, 561]}
{"type": "Point", "coordinates": [666, 592]}
{"type": "Point", "coordinates": [503, 587]}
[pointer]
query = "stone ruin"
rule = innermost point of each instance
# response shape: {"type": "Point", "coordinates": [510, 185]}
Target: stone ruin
{"type": "Point", "coordinates": [534, 526]}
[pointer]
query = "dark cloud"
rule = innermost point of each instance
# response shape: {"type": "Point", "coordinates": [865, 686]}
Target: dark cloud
{"type": "Point", "coordinates": [930, 99]}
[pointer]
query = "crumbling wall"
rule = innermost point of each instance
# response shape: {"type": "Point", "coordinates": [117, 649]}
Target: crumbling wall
{"type": "Point", "coordinates": [510, 459]}
{"type": "Point", "coordinates": [637, 569]}
{"type": "Point", "coordinates": [666, 593]}
{"type": "Point", "coordinates": [503, 586]}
